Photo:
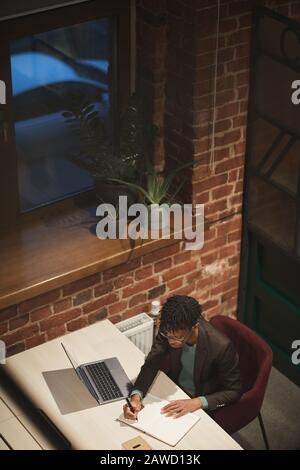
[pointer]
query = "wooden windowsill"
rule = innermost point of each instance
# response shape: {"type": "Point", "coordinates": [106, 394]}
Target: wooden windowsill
{"type": "Point", "coordinates": [41, 255]}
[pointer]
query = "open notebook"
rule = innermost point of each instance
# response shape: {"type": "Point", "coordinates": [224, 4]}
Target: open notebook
{"type": "Point", "coordinates": [166, 429]}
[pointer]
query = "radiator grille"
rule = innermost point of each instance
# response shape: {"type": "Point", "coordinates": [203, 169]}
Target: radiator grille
{"type": "Point", "coordinates": [139, 330]}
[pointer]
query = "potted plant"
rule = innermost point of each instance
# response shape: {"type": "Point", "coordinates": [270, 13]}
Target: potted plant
{"type": "Point", "coordinates": [111, 161]}
{"type": "Point", "coordinates": [158, 192]}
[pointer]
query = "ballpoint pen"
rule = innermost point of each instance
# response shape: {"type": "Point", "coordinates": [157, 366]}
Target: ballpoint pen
{"type": "Point", "coordinates": [131, 407]}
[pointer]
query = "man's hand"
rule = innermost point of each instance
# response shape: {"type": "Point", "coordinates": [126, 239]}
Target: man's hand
{"type": "Point", "coordinates": [179, 408]}
{"type": "Point", "coordinates": [136, 404]}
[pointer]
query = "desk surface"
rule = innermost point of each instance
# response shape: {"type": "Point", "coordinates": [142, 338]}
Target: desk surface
{"type": "Point", "coordinates": [44, 374]}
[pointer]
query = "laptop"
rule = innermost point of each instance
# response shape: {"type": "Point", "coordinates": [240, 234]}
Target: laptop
{"type": "Point", "coordinates": [106, 379]}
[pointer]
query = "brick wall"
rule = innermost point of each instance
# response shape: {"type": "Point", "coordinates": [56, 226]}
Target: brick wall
{"type": "Point", "coordinates": [176, 41]}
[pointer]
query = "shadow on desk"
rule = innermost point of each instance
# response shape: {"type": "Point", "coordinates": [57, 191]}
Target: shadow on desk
{"type": "Point", "coordinates": [68, 392]}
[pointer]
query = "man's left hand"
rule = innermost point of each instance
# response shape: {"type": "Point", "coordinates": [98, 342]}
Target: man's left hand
{"type": "Point", "coordinates": [179, 408]}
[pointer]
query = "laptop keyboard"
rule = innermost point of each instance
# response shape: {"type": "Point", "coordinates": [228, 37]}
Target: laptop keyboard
{"type": "Point", "coordinates": [104, 381]}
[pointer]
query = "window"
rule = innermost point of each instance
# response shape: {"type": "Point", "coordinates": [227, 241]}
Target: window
{"type": "Point", "coordinates": [58, 64]}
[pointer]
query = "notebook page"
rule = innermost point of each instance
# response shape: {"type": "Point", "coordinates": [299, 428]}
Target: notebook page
{"type": "Point", "coordinates": [167, 429]}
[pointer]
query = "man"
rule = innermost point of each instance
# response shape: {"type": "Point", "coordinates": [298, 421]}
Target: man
{"type": "Point", "coordinates": [202, 361]}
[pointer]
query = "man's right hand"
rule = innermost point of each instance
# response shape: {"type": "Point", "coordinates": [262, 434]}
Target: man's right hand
{"type": "Point", "coordinates": [136, 404]}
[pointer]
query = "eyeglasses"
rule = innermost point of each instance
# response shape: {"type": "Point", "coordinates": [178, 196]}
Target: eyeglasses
{"type": "Point", "coordinates": [173, 339]}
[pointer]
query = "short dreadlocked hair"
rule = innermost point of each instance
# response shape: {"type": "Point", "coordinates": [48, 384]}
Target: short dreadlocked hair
{"type": "Point", "coordinates": [179, 312]}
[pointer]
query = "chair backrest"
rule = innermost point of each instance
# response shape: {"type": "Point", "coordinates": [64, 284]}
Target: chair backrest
{"type": "Point", "coordinates": [255, 356]}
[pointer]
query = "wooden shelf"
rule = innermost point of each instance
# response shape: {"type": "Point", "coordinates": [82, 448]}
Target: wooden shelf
{"type": "Point", "coordinates": [48, 253]}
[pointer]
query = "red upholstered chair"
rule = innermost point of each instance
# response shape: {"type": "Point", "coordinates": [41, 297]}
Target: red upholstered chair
{"type": "Point", "coordinates": [255, 365]}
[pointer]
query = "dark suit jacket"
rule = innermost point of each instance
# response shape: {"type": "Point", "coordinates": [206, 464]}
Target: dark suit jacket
{"type": "Point", "coordinates": [216, 369]}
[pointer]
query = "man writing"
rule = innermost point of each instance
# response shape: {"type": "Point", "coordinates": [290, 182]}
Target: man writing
{"type": "Point", "coordinates": [202, 361]}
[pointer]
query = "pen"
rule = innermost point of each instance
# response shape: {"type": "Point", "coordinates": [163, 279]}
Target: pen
{"type": "Point", "coordinates": [130, 407]}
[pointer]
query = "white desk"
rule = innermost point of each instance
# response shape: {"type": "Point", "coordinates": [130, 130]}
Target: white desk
{"type": "Point", "coordinates": [44, 374]}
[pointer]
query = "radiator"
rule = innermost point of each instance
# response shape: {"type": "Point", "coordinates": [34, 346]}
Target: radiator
{"type": "Point", "coordinates": [139, 330]}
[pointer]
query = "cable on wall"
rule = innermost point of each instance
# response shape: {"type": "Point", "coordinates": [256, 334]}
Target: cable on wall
{"type": "Point", "coordinates": [212, 152]}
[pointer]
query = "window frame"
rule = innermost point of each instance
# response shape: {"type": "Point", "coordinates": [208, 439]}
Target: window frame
{"type": "Point", "coordinates": [35, 23]}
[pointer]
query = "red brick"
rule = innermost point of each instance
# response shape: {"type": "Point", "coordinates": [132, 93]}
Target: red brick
{"type": "Point", "coordinates": [39, 301]}
{"type": "Point", "coordinates": [123, 281]}
{"type": "Point", "coordinates": [131, 312]}
{"type": "Point", "coordinates": [140, 286]}
{"type": "Point", "coordinates": [20, 335]}
{"type": "Point", "coordinates": [229, 110]}
{"type": "Point", "coordinates": [223, 126]}
{"type": "Point", "coordinates": [240, 148]}
{"type": "Point", "coordinates": [238, 65]}
{"type": "Point", "coordinates": [62, 305]}
{"type": "Point", "coordinates": [209, 304]}
{"type": "Point", "coordinates": [211, 312]}
{"type": "Point", "coordinates": [241, 36]}
{"type": "Point", "coordinates": [82, 297]}
{"type": "Point", "coordinates": [35, 341]}
{"type": "Point", "coordinates": [18, 322]}
{"type": "Point", "coordinates": [228, 25]}
{"type": "Point", "coordinates": [234, 236]}
{"type": "Point", "coordinates": [59, 319]}
{"type": "Point", "coordinates": [8, 313]}
{"type": "Point", "coordinates": [121, 269]}
{"type": "Point", "coordinates": [202, 198]}
{"type": "Point", "coordinates": [118, 307]}
{"type": "Point", "coordinates": [3, 327]}
{"type": "Point", "coordinates": [227, 251]}
{"type": "Point", "coordinates": [191, 277]}
{"type": "Point", "coordinates": [77, 324]}
{"type": "Point", "coordinates": [182, 257]}
{"type": "Point", "coordinates": [228, 138]}
{"type": "Point", "coordinates": [208, 259]}
{"type": "Point", "coordinates": [243, 51]}
{"type": "Point", "coordinates": [211, 182]}
{"type": "Point", "coordinates": [97, 316]}
{"type": "Point", "coordinates": [143, 273]}
{"type": "Point", "coordinates": [102, 302]}
{"type": "Point", "coordinates": [229, 164]}
{"type": "Point", "coordinates": [40, 314]}
{"type": "Point", "coordinates": [223, 191]}
{"type": "Point", "coordinates": [233, 175]}
{"type": "Point", "coordinates": [239, 186]}
{"type": "Point", "coordinates": [239, 7]}
{"type": "Point", "coordinates": [236, 199]}
{"type": "Point", "coordinates": [175, 283]}
{"type": "Point", "coordinates": [225, 97]}
{"type": "Point", "coordinates": [15, 349]}
{"type": "Point", "coordinates": [230, 294]}
{"type": "Point", "coordinates": [224, 287]}
{"type": "Point", "coordinates": [186, 290]}
{"type": "Point", "coordinates": [162, 265]}
{"type": "Point", "coordinates": [233, 260]}
{"type": "Point", "coordinates": [103, 289]}
{"type": "Point", "coordinates": [137, 299]}
{"type": "Point", "coordinates": [225, 82]}
{"type": "Point", "coordinates": [161, 254]}
{"type": "Point", "coordinates": [216, 206]}
{"type": "Point", "coordinates": [202, 284]}
{"type": "Point", "coordinates": [115, 318]}
{"type": "Point", "coordinates": [55, 332]}
{"type": "Point", "coordinates": [179, 270]}
{"type": "Point", "coordinates": [242, 78]}
{"type": "Point", "coordinates": [213, 244]}
{"type": "Point", "coordinates": [81, 284]}
{"type": "Point", "coordinates": [229, 226]}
